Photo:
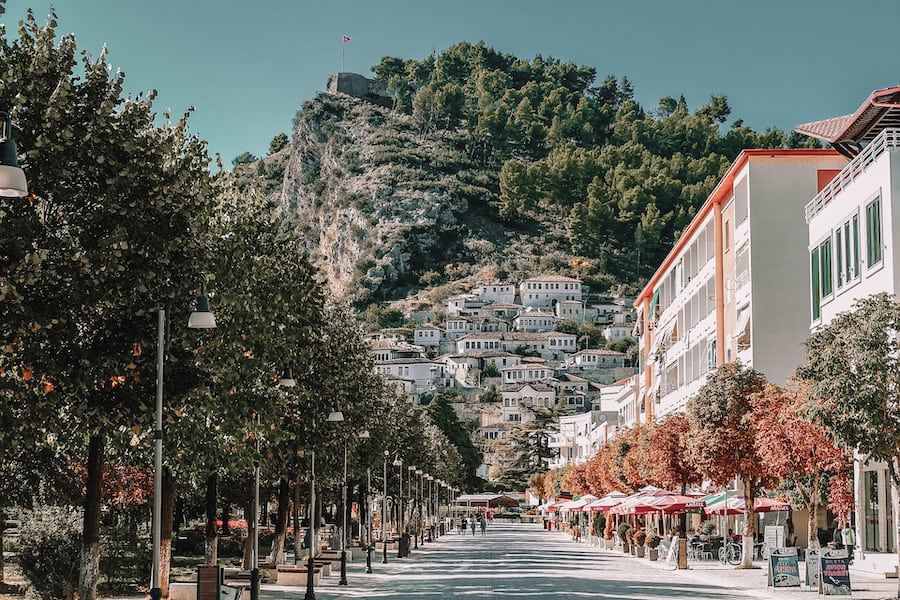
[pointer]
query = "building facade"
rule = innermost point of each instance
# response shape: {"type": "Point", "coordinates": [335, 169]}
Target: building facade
{"type": "Point", "coordinates": [741, 255]}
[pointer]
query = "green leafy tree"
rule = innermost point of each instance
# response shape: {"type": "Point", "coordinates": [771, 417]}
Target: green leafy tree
{"type": "Point", "coordinates": [851, 365]}
{"type": "Point", "coordinates": [443, 416]}
{"type": "Point", "coordinates": [114, 230]}
{"type": "Point", "coordinates": [278, 143]}
{"type": "Point", "coordinates": [244, 158]}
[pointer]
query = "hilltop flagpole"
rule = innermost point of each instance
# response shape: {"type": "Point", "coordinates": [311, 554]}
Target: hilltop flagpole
{"type": "Point", "coordinates": [346, 39]}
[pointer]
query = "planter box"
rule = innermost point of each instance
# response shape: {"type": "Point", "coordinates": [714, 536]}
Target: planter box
{"type": "Point", "coordinates": [640, 551]}
{"type": "Point", "coordinates": [654, 553]}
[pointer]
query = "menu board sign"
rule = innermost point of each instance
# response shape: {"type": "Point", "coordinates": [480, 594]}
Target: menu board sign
{"type": "Point", "coordinates": [834, 573]}
{"type": "Point", "coordinates": [784, 571]}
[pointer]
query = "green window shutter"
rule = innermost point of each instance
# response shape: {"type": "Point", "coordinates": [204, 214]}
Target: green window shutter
{"type": "Point", "coordinates": [825, 258]}
{"type": "Point", "coordinates": [855, 224]}
{"type": "Point", "coordinates": [814, 287]}
{"type": "Point", "coordinates": [873, 232]}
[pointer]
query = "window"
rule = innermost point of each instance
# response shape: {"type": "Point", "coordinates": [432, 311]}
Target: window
{"type": "Point", "coordinates": [873, 232]}
{"type": "Point", "coordinates": [814, 284]}
{"type": "Point", "coordinates": [839, 256]}
{"type": "Point", "coordinates": [825, 258]}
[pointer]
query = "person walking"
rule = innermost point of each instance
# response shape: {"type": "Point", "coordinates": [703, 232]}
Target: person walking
{"type": "Point", "coordinates": [463, 525]}
{"type": "Point", "coordinates": [473, 524]}
{"type": "Point", "coordinates": [483, 525]}
{"type": "Point", "coordinates": [849, 540]}
{"type": "Point", "coordinates": [837, 539]}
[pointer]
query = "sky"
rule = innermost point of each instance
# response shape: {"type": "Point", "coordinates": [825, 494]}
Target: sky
{"type": "Point", "coordinates": [247, 67]}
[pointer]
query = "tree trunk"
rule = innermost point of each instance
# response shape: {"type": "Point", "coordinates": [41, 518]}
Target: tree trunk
{"type": "Point", "coordinates": [167, 518]}
{"type": "Point", "coordinates": [89, 572]}
{"type": "Point", "coordinates": [682, 536]}
{"type": "Point", "coordinates": [284, 490]}
{"type": "Point", "coordinates": [2, 528]}
{"type": "Point", "coordinates": [749, 524]}
{"type": "Point", "coordinates": [813, 524]}
{"type": "Point", "coordinates": [211, 547]}
{"type": "Point", "coordinates": [298, 538]}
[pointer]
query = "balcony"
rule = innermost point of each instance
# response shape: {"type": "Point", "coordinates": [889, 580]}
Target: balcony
{"type": "Point", "coordinates": [886, 140]}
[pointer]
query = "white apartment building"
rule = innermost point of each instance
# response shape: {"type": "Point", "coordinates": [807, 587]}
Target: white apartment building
{"type": "Point", "coordinates": [850, 256]}
{"type": "Point", "coordinates": [578, 438]}
{"type": "Point", "coordinates": [547, 290]}
{"type": "Point", "coordinates": [739, 257]}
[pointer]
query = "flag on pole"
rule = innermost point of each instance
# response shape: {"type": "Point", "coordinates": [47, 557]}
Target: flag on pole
{"type": "Point", "coordinates": [347, 38]}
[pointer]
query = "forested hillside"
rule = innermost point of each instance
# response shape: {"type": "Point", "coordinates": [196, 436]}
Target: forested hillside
{"type": "Point", "coordinates": [491, 165]}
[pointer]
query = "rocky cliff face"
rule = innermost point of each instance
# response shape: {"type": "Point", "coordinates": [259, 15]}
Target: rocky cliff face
{"type": "Point", "coordinates": [380, 203]}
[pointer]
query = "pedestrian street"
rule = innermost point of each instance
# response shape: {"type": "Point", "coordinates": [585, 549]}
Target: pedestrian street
{"type": "Point", "coordinates": [513, 560]}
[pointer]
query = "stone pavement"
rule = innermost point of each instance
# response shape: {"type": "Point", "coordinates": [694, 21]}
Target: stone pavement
{"type": "Point", "coordinates": [522, 561]}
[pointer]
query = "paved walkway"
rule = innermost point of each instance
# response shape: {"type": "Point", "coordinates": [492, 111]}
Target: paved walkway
{"type": "Point", "coordinates": [522, 561]}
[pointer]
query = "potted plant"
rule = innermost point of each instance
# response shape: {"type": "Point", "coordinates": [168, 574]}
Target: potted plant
{"type": "Point", "coordinates": [652, 543]}
{"type": "Point", "coordinates": [640, 536]}
{"type": "Point", "coordinates": [622, 532]}
{"type": "Point", "coordinates": [597, 528]}
{"type": "Point", "coordinates": [609, 533]}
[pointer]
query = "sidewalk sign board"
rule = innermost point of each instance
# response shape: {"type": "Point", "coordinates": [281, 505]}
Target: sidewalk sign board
{"type": "Point", "coordinates": [834, 573]}
{"type": "Point", "coordinates": [774, 537]}
{"type": "Point", "coordinates": [783, 568]}
{"type": "Point", "coordinates": [812, 568]}
{"type": "Point", "coordinates": [672, 557]}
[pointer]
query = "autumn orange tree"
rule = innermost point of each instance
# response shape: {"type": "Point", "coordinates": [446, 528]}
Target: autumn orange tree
{"type": "Point", "coordinates": [672, 465]}
{"type": "Point", "coordinates": [799, 452]}
{"type": "Point", "coordinates": [635, 462]}
{"type": "Point", "coordinates": [602, 471]}
{"type": "Point", "coordinates": [723, 437]}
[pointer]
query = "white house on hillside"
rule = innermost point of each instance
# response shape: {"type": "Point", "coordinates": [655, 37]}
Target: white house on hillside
{"type": "Point", "coordinates": [535, 321]}
{"type": "Point", "coordinates": [547, 290]}
{"type": "Point", "coordinates": [492, 293]}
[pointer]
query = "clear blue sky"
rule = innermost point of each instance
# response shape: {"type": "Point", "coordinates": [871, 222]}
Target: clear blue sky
{"type": "Point", "coordinates": [248, 66]}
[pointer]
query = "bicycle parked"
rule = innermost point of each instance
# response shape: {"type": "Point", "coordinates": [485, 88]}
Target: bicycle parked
{"type": "Point", "coordinates": [732, 553]}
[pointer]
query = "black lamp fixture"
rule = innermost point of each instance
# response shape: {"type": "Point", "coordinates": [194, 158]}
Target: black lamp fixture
{"type": "Point", "coordinates": [12, 178]}
{"type": "Point", "coordinates": [202, 317]}
{"type": "Point", "coordinates": [286, 379]}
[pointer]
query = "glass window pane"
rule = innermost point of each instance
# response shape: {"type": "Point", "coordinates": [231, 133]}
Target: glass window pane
{"type": "Point", "coordinates": [839, 257]}
{"type": "Point", "coordinates": [855, 246]}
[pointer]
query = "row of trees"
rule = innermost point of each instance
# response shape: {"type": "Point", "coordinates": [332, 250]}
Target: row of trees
{"type": "Point", "coordinates": [738, 426]}
{"type": "Point", "coordinates": [125, 218]}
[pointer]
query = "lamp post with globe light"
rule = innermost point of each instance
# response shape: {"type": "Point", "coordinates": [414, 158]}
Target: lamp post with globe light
{"type": "Point", "coordinates": [201, 318]}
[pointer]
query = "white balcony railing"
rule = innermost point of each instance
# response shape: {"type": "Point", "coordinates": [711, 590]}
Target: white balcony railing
{"type": "Point", "coordinates": [887, 139]}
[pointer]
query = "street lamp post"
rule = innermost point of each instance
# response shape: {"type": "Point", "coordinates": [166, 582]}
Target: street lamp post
{"type": "Point", "coordinates": [368, 520]}
{"type": "Point", "coordinates": [343, 580]}
{"type": "Point", "coordinates": [201, 318]}
{"type": "Point", "coordinates": [334, 416]}
{"type": "Point", "coordinates": [413, 513]}
{"type": "Point", "coordinates": [430, 478]}
{"type": "Point", "coordinates": [398, 462]}
{"type": "Point", "coordinates": [384, 510]}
